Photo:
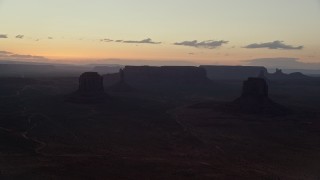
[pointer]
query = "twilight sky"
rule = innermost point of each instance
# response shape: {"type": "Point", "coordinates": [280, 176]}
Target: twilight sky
{"type": "Point", "coordinates": [202, 31]}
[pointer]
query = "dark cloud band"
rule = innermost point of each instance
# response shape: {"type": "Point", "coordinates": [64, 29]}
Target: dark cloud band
{"type": "Point", "coordinates": [106, 40]}
{"type": "Point", "coordinates": [210, 44]}
{"type": "Point", "coordinates": [3, 36]}
{"type": "Point", "coordinates": [144, 41]}
{"type": "Point", "coordinates": [273, 45]}
{"type": "Point", "coordinates": [19, 36]}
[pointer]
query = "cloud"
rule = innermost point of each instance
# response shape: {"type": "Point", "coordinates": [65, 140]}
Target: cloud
{"type": "Point", "coordinates": [274, 45]}
{"type": "Point", "coordinates": [4, 52]}
{"type": "Point", "coordinates": [283, 62]}
{"type": "Point", "coordinates": [106, 40]}
{"type": "Point", "coordinates": [210, 44]}
{"type": "Point", "coordinates": [50, 37]}
{"type": "Point", "coordinates": [19, 36]}
{"type": "Point", "coordinates": [145, 41]}
{"type": "Point", "coordinates": [3, 36]}
{"type": "Point", "coordinates": [26, 56]}
{"type": "Point", "coordinates": [5, 55]}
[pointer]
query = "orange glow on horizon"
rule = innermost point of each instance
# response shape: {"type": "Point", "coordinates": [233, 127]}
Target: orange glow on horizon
{"type": "Point", "coordinates": [86, 51]}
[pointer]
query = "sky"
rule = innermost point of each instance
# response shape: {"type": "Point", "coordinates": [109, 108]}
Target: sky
{"type": "Point", "coordinates": [201, 31]}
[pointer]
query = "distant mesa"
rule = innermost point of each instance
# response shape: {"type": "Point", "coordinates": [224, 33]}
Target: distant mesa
{"type": "Point", "coordinates": [215, 72]}
{"type": "Point", "coordinates": [233, 72]}
{"type": "Point", "coordinates": [107, 69]}
{"type": "Point", "coordinates": [255, 99]}
{"type": "Point", "coordinates": [154, 78]}
{"type": "Point", "coordinates": [280, 75]}
{"type": "Point", "coordinates": [165, 74]}
{"type": "Point", "coordinates": [279, 72]}
{"type": "Point", "coordinates": [90, 90]}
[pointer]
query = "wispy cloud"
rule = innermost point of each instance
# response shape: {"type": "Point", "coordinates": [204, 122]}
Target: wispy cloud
{"type": "Point", "coordinates": [50, 37]}
{"type": "Point", "coordinates": [106, 40]}
{"type": "Point", "coordinates": [19, 36]}
{"type": "Point", "coordinates": [210, 44]}
{"type": "Point", "coordinates": [274, 45]}
{"type": "Point", "coordinates": [3, 36]}
{"type": "Point", "coordinates": [144, 41]}
{"type": "Point", "coordinates": [5, 55]}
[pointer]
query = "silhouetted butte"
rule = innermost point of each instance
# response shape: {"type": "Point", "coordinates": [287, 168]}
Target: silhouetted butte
{"type": "Point", "coordinates": [90, 90]}
{"type": "Point", "coordinates": [255, 99]}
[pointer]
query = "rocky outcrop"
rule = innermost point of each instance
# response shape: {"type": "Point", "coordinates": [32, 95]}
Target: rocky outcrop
{"type": "Point", "coordinates": [255, 88]}
{"type": "Point", "coordinates": [280, 75]}
{"type": "Point", "coordinates": [106, 69]}
{"type": "Point", "coordinates": [90, 90]}
{"type": "Point", "coordinates": [255, 99]}
{"type": "Point", "coordinates": [90, 83]}
{"type": "Point", "coordinates": [121, 85]}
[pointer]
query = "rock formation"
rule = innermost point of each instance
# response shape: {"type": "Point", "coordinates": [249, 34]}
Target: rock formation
{"type": "Point", "coordinates": [255, 88]}
{"type": "Point", "coordinates": [232, 72]}
{"type": "Point", "coordinates": [107, 69]}
{"type": "Point", "coordinates": [121, 72]}
{"type": "Point", "coordinates": [164, 74]}
{"type": "Point", "coordinates": [280, 75]}
{"type": "Point", "coordinates": [279, 72]}
{"type": "Point", "coordinates": [90, 90]}
{"type": "Point", "coordinates": [166, 79]}
{"type": "Point", "coordinates": [262, 74]}
{"type": "Point", "coordinates": [255, 99]}
{"type": "Point", "coordinates": [121, 85]}
{"type": "Point", "coordinates": [90, 83]}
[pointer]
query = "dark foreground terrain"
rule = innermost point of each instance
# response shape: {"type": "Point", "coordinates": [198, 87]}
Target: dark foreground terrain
{"type": "Point", "coordinates": [153, 135]}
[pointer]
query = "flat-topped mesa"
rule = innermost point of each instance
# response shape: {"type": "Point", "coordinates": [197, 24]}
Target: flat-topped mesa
{"type": "Point", "coordinates": [255, 88]}
{"type": "Point", "coordinates": [215, 72]}
{"type": "Point", "coordinates": [164, 74]}
{"type": "Point", "coordinates": [163, 79]}
{"type": "Point", "coordinates": [90, 82]}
